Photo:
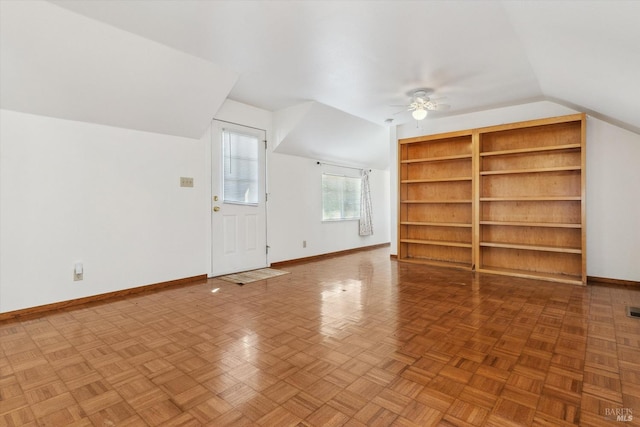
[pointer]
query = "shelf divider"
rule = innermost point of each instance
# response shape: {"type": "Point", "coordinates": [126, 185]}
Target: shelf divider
{"type": "Point", "coordinates": [437, 224]}
{"type": "Point", "coordinates": [436, 159]}
{"type": "Point", "coordinates": [532, 170]}
{"type": "Point", "coordinates": [531, 224]}
{"type": "Point", "coordinates": [436, 243]}
{"type": "Point", "coordinates": [530, 150]}
{"type": "Point", "coordinates": [532, 247]}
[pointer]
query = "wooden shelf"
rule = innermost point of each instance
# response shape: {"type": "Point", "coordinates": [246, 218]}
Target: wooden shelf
{"type": "Point", "coordinates": [531, 224]}
{"type": "Point", "coordinates": [553, 277]}
{"type": "Point", "coordinates": [533, 170]}
{"type": "Point", "coordinates": [505, 199]}
{"type": "Point", "coordinates": [435, 175]}
{"type": "Point", "coordinates": [437, 159]}
{"type": "Point", "coordinates": [437, 263]}
{"type": "Point", "coordinates": [442, 201]}
{"type": "Point", "coordinates": [532, 199]}
{"type": "Point", "coordinates": [532, 247]}
{"type": "Point", "coordinates": [436, 224]}
{"type": "Point", "coordinates": [531, 150]}
{"type": "Point", "coordinates": [437, 243]}
{"type": "Point", "coordinates": [420, 181]}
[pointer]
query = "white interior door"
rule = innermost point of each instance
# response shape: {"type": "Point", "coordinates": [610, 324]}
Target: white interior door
{"type": "Point", "coordinates": [238, 214]}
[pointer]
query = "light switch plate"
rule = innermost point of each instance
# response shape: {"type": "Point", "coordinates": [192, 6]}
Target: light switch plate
{"type": "Point", "coordinates": [186, 181]}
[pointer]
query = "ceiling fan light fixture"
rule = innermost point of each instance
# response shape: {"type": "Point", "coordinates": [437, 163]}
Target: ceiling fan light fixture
{"type": "Point", "coordinates": [419, 113]}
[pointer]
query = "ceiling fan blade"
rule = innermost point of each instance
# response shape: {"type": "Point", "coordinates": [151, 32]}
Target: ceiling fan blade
{"type": "Point", "coordinates": [421, 99]}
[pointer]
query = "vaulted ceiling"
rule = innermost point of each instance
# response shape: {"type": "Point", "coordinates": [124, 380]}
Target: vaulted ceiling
{"type": "Point", "coordinates": [355, 57]}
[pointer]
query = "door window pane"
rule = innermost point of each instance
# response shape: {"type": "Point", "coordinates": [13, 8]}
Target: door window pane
{"type": "Point", "coordinates": [240, 157]}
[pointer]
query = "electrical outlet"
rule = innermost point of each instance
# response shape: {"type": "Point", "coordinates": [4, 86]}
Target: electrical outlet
{"type": "Point", "coordinates": [304, 243]}
{"type": "Point", "coordinates": [186, 181]}
{"type": "Point", "coordinates": [78, 272]}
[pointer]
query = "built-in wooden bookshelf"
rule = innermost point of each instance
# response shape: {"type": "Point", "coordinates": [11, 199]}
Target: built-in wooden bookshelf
{"type": "Point", "coordinates": [436, 197]}
{"type": "Point", "coordinates": [506, 199]}
{"type": "Point", "coordinates": [531, 190]}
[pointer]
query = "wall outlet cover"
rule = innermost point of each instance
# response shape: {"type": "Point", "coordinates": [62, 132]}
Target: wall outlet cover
{"type": "Point", "coordinates": [186, 181]}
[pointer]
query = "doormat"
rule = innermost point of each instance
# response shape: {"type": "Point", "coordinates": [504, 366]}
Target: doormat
{"type": "Point", "coordinates": [252, 276]}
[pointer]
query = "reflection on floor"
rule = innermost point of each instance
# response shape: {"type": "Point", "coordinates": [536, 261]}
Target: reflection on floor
{"type": "Point", "coordinates": [355, 340]}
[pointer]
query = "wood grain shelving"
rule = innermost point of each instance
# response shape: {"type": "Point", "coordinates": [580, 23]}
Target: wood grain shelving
{"type": "Point", "coordinates": [532, 247]}
{"type": "Point", "coordinates": [532, 199]}
{"type": "Point", "coordinates": [531, 187]}
{"type": "Point", "coordinates": [526, 274]}
{"type": "Point", "coordinates": [436, 199]}
{"type": "Point", "coordinates": [530, 150]}
{"type": "Point", "coordinates": [506, 199]}
{"type": "Point", "coordinates": [438, 224]}
{"type": "Point", "coordinates": [436, 159]}
{"type": "Point", "coordinates": [532, 224]}
{"type": "Point", "coordinates": [421, 181]}
{"type": "Point", "coordinates": [532, 170]}
{"type": "Point", "coordinates": [436, 243]}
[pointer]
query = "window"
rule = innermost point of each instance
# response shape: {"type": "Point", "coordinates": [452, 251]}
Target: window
{"type": "Point", "coordinates": [340, 197]}
{"type": "Point", "coordinates": [240, 157]}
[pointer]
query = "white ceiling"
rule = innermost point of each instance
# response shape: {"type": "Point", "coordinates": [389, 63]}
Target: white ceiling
{"type": "Point", "coordinates": [321, 132]}
{"type": "Point", "coordinates": [58, 64]}
{"type": "Point", "coordinates": [585, 54]}
{"type": "Point", "coordinates": [356, 56]}
{"type": "Point", "coordinates": [361, 57]}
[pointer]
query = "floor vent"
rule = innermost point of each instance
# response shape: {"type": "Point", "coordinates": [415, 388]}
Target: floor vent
{"type": "Point", "coordinates": [633, 312]}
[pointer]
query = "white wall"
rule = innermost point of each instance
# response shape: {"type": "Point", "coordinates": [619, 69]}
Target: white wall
{"type": "Point", "coordinates": [295, 210]}
{"type": "Point", "coordinates": [110, 198]}
{"type": "Point", "coordinates": [613, 201]}
{"type": "Point", "coordinates": [105, 196]}
{"type": "Point", "coordinates": [613, 180]}
{"type": "Point", "coordinates": [393, 189]}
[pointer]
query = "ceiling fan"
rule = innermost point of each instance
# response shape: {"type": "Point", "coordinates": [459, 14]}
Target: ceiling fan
{"type": "Point", "coordinates": [421, 104]}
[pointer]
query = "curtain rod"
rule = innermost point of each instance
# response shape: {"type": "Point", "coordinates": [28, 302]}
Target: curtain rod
{"type": "Point", "coordinates": [341, 166]}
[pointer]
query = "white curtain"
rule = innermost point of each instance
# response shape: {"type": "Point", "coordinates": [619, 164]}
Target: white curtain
{"type": "Point", "coordinates": [366, 225]}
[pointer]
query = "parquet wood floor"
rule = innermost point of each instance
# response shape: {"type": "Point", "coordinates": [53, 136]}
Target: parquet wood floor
{"type": "Point", "coordinates": [357, 340]}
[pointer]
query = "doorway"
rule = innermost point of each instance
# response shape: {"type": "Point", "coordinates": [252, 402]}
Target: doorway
{"type": "Point", "coordinates": [238, 214]}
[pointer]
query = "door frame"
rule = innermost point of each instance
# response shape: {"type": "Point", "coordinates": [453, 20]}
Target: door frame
{"type": "Point", "coordinates": [209, 143]}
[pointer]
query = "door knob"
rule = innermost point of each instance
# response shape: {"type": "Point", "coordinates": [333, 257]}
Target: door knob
{"type": "Point", "coordinates": [216, 208]}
